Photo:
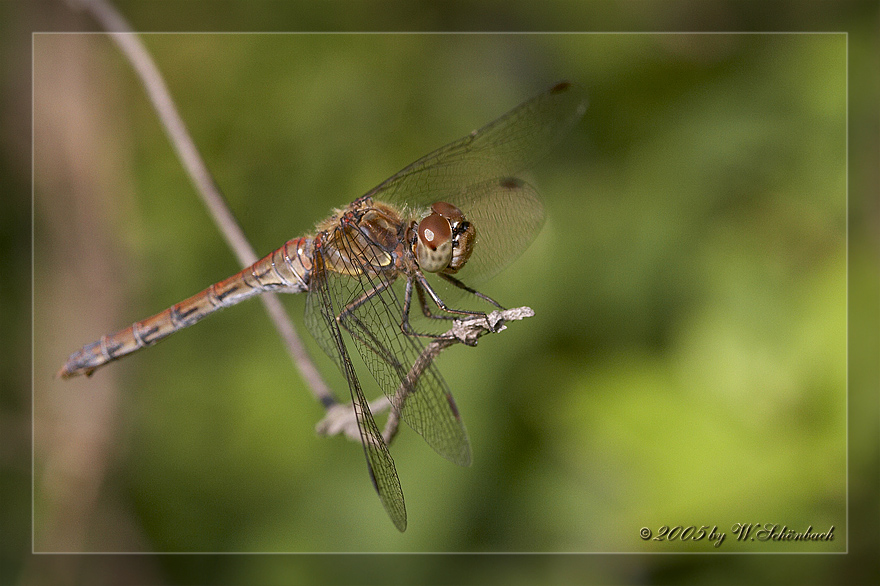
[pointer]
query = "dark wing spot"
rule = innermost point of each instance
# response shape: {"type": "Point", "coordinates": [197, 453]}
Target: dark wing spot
{"type": "Point", "coordinates": [452, 406]}
{"type": "Point", "coordinates": [511, 183]}
{"type": "Point", "coordinates": [562, 86]}
{"type": "Point", "coordinates": [373, 478]}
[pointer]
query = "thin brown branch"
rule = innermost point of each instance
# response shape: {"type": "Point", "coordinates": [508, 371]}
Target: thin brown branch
{"type": "Point", "coordinates": [131, 45]}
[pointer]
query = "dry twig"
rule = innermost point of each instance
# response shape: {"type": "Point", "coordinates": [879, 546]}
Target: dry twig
{"type": "Point", "coordinates": [131, 45]}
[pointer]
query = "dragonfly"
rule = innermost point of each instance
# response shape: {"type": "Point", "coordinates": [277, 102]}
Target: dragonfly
{"type": "Point", "coordinates": [457, 215]}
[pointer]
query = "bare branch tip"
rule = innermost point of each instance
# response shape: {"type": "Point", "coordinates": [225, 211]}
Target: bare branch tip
{"type": "Point", "coordinates": [340, 419]}
{"type": "Point", "coordinates": [469, 329]}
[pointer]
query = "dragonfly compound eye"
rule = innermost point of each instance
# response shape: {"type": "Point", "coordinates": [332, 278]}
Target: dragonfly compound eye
{"type": "Point", "coordinates": [448, 211]}
{"type": "Point", "coordinates": [434, 246]}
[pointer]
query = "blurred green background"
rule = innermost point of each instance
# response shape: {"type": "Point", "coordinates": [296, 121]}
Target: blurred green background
{"type": "Point", "coordinates": [687, 364]}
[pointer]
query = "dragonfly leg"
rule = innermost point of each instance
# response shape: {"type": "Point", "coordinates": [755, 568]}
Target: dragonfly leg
{"type": "Point", "coordinates": [405, 326]}
{"type": "Point", "coordinates": [461, 285]}
{"type": "Point", "coordinates": [421, 285]}
{"type": "Point", "coordinates": [423, 282]}
{"type": "Point", "coordinates": [426, 310]}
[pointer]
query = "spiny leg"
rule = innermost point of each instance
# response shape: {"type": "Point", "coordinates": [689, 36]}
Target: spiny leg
{"type": "Point", "coordinates": [423, 303]}
{"type": "Point", "coordinates": [421, 285]}
{"type": "Point", "coordinates": [461, 285]}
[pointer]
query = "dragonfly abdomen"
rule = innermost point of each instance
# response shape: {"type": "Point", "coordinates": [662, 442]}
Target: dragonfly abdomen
{"type": "Point", "coordinates": [285, 270]}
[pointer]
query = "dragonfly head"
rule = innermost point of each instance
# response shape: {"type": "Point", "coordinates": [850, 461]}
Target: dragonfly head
{"type": "Point", "coordinates": [444, 239]}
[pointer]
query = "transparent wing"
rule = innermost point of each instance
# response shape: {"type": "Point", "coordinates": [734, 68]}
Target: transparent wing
{"type": "Point", "coordinates": [471, 171]}
{"type": "Point", "coordinates": [322, 307]}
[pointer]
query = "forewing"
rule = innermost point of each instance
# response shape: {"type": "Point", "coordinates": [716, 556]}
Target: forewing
{"type": "Point", "coordinates": [502, 148]}
{"type": "Point", "coordinates": [478, 175]}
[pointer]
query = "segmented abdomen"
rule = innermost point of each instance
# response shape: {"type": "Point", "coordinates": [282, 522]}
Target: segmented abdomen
{"type": "Point", "coordinates": [286, 270]}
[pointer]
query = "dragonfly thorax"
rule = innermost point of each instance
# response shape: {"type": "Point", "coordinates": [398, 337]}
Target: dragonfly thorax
{"type": "Point", "coordinates": [444, 239]}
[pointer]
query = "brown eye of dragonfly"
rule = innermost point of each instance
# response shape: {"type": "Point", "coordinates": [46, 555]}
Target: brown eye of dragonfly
{"type": "Point", "coordinates": [434, 245]}
{"type": "Point", "coordinates": [447, 210]}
